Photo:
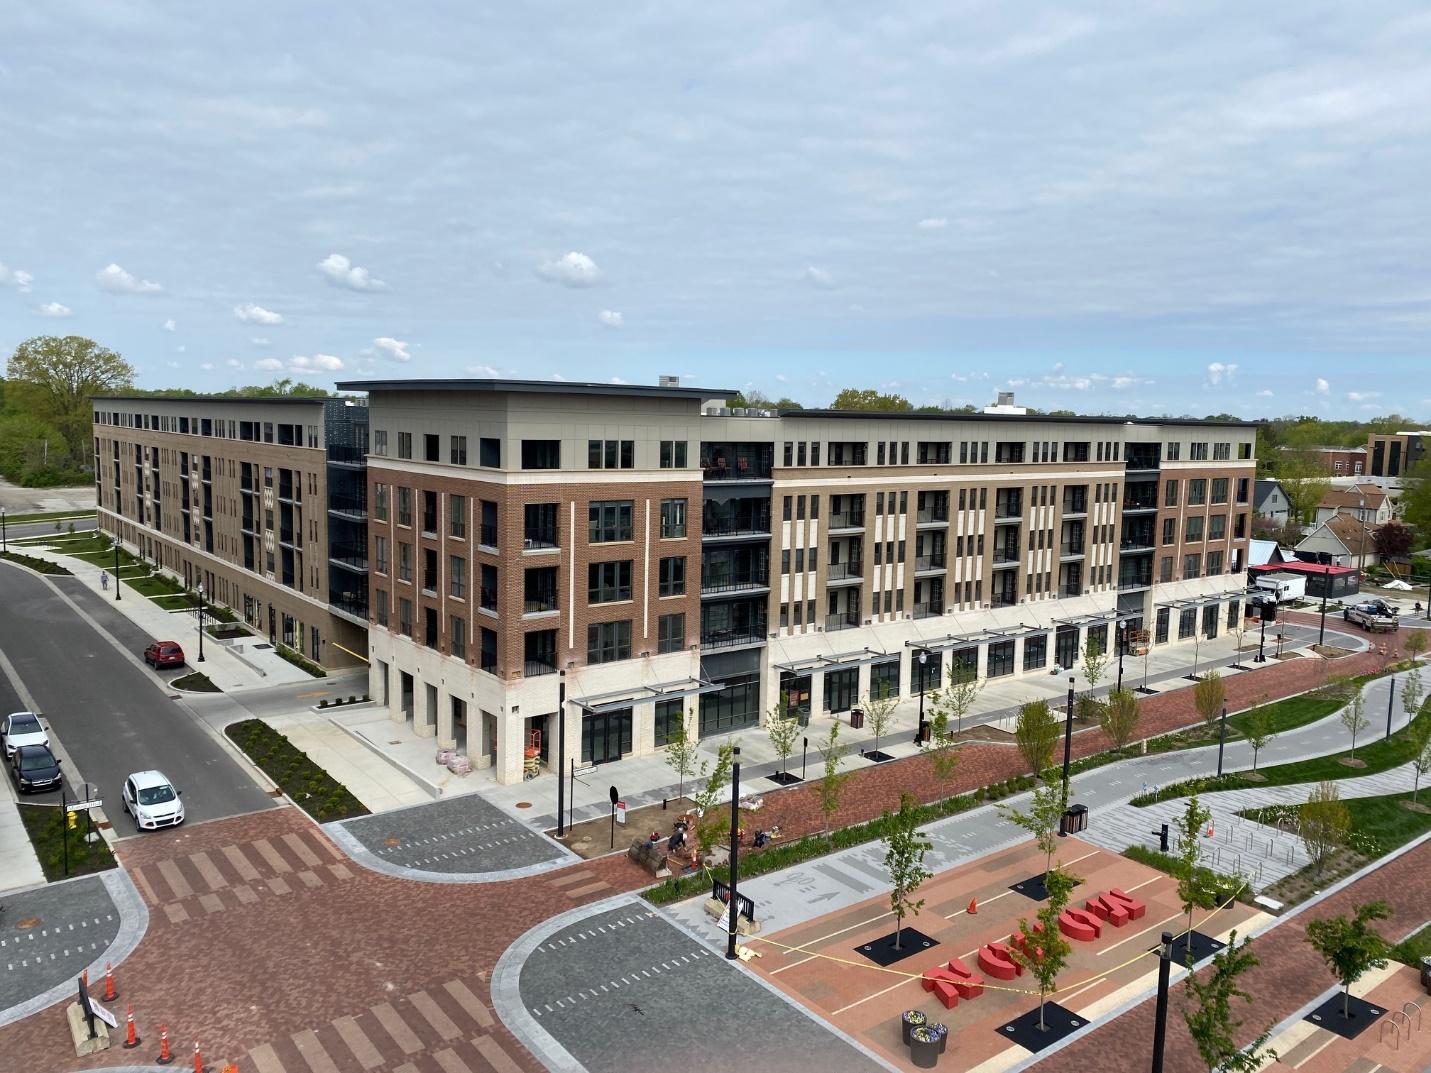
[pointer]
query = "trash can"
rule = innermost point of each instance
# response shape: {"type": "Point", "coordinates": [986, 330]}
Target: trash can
{"type": "Point", "coordinates": [857, 718]}
{"type": "Point", "coordinates": [1426, 974]}
{"type": "Point", "coordinates": [1075, 819]}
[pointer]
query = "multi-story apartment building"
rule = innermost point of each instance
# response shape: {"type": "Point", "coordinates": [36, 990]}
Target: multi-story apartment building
{"type": "Point", "coordinates": [1394, 455]}
{"type": "Point", "coordinates": [643, 558]}
{"type": "Point", "coordinates": [260, 500]}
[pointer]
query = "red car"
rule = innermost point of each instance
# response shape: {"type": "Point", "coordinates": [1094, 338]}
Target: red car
{"type": "Point", "coordinates": [164, 654]}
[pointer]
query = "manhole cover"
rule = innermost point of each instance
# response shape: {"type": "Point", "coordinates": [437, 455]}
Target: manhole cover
{"type": "Point", "coordinates": [392, 841]}
{"type": "Point", "coordinates": [524, 804]}
{"type": "Point", "coordinates": [29, 922]}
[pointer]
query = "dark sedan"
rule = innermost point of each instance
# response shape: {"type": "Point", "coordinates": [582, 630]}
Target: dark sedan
{"type": "Point", "coordinates": [35, 769]}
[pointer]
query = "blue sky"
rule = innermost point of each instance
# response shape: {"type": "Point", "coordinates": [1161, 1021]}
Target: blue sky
{"type": "Point", "coordinates": [1180, 208]}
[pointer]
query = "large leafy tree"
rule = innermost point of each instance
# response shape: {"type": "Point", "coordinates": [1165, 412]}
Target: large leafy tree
{"type": "Point", "coordinates": [1393, 540]}
{"type": "Point", "coordinates": [868, 398]}
{"type": "Point", "coordinates": [1351, 947]}
{"type": "Point", "coordinates": [1207, 1009]}
{"type": "Point", "coordinates": [56, 378]}
{"type": "Point", "coordinates": [1306, 479]}
{"type": "Point", "coordinates": [1036, 734]}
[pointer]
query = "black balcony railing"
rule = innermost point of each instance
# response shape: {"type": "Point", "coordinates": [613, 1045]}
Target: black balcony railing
{"type": "Point", "coordinates": [933, 561]}
{"type": "Point", "coordinates": [348, 456]}
{"type": "Point", "coordinates": [1003, 599]}
{"type": "Point", "coordinates": [487, 536]}
{"type": "Point", "coordinates": [932, 517]}
{"type": "Point", "coordinates": [843, 620]}
{"type": "Point", "coordinates": [853, 568]}
{"type": "Point", "coordinates": [488, 598]}
{"type": "Point", "coordinates": [1068, 551]}
{"type": "Point", "coordinates": [1140, 502]}
{"type": "Point", "coordinates": [849, 519]}
{"type": "Point", "coordinates": [1075, 505]}
{"type": "Point", "coordinates": [536, 537]}
{"type": "Point", "coordinates": [927, 610]}
{"type": "Point", "coordinates": [744, 527]}
{"type": "Point", "coordinates": [357, 506]}
{"type": "Point", "coordinates": [354, 603]}
{"type": "Point", "coordinates": [350, 555]}
{"type": "Point", "coordinates": [723, 582]}
{"type": "Point", "coordinates": [729, 636]}
{"type": "Point", "coordinates": [534, 668]}
{"type": "Point", "coordinates": [540, 603]}
{"type": "Point", "coordinates": [1006, 555]}
{"type": "Point", "coordinates": [429, 523]}
{"type": "Point", "coordinates": [1067, 591]}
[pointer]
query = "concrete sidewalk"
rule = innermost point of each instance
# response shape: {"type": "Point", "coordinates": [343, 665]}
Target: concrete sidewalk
{"type": "Point", "coordinates": [231, 665]}
{"type": "Point", "coordinates": [19, 867]}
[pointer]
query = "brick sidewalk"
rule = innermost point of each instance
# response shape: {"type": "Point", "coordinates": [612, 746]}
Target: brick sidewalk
{"type": "Point", "coordinates": [1290, 975]}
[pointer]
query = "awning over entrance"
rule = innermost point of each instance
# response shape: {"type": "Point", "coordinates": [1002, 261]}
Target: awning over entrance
{"type": "Point", "coordinates": [644, 694]}
{"type": "Point", "coordinates": [1204, 600]}
{"type": "Point", "coordinates": [963, 640]}
{"type": "Point", "coordinates": [822, 662]}
{"type": "Point", "coordinates": [1108, 617]}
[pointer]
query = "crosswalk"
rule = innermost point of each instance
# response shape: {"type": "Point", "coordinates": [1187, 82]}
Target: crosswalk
{"type": "Point", "coordinates": [447, 1028]}
{"type": "Point", "coordinates": [195, 885]}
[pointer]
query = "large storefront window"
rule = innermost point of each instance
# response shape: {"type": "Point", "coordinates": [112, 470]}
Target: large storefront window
{"type": "Point", "coordinates": [965, 660]}
{"type": "Point", "coordinates": [1096, 639]}
{"type": "Point", "coordinates": [841, 688]}
{"type": "Point", "coordinates": [1209, 620]}
{"type": "Point", "coordinates": [1001, 659]}
{"type": "Point", "coordinates": [884, 679]}
{"type": "Point", "coordinates": [1161, 635]}
{"type": "Point", "coordinates": [795, 694]}
{"type": "Point", "coordinates": [735, 705]}
{"type": "Point", "coordinates": [1065, 650]}
{"type": "Point", "coordinates": [605, 736]}
{"type": "Point", "coordinates": [926, 670]}
{"type": "Point", "coordinates": [669, 716]}
{"type": "Point", "coordinates": [1187, 623]}
{"type": "Point", "coordinates": [1036, 652]}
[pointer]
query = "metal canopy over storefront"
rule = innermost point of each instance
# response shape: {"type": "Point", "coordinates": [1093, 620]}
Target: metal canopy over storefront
{"type": "Point", "coordinates": [1204, 601]}
{"type": "Point", "coordinates": [626, 698]}
{"type": "Point", "coordinates": [964, 640]}
{"type": "Point", "coordinates": [811, 664]}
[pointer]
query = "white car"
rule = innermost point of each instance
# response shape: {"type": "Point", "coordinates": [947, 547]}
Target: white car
{"type": "Point", "coordinates": [21, 728]}
{"type": "Point", "coordinates": [152, 800]}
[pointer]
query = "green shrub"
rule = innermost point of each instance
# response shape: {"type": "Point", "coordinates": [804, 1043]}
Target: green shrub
{"type": "Point", "coordinates": [312, 788]}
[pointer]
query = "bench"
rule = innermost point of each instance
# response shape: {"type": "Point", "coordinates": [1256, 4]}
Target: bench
{"type": "Point", "coordinates": [1079, 924]}
{"type": "Point", "coordinates": [952, 982]}
{"type": "Point", "coordinates": [651, 858]}
{"type": "Point", "coordinates": [1135, 908]}
{"type": "Point", "coordinates": [995, 961]}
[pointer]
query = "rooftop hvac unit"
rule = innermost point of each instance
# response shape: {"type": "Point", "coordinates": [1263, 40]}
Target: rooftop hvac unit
{"type": "Point", "coordinates": [714, 411]}
{"type": "Point", "coordinates": [669, 381]}
{"type": "Point", "coordinates": [740, 411]}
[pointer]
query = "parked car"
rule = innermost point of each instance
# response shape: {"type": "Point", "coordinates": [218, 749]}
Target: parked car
{"type": "Point", "coordinates": [35, 769]}
{"type": "Point", "coordinates": [152, 800]}
{"type": "Point", "coordinates": [1376, 616]}
{"type": "Point", "coordinates": [163, 654]}
{"type": "Point", "coordinates": [21, 728]}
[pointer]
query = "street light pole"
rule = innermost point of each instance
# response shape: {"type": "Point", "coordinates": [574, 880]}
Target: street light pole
{"type": "Point", "coordinates": [1390, 696]}
{"type": "Point", "coordinates": [1262, 641]}
{"type": "Point", "coordinates": [1221, 740]}
{"type": "Point", "coordinates": [561, 753]}
{"type": "Point", "coordinates": [923, 659]}
{"type": "Point", "coordinates": [201, 622]}
{"type": "Point", "coordinates": [734, 855]}
{"type": "Point", "coordinates": [1122, 647]}
{"type": "Point", "coordinates": [1326, 584]}
{"type": "Point", "coordinates": [116, 568]}
{"type": "Point", "coordinates": [1067, 745]}
{"type": "Point", "coordinates": [1160, 1023]}
{"type": "Point", "coordinates": [4, 533]}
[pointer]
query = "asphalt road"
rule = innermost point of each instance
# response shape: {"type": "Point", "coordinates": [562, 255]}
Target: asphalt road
{"type": "Point", "coordinates": [109, 714]}
{"type": "Point", "coordinates": [34, 529]}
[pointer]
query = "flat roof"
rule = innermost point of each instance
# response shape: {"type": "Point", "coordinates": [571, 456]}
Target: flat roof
{"type": "Point", "coordinates": [1299, 567]}
{"type": "Point", "coordinates": [540, 387]}
{"type": "Point", "coordinates": [311, 400]}
{"type": "Point", "coordinates": [908, 415]}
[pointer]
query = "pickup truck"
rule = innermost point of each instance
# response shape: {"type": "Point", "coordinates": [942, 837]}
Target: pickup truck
{"type": "Point", "coordinates": [1375, 616]}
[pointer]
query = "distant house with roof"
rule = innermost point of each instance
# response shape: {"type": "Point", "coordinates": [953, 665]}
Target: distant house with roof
{"type": "Point", "coordinates": [1347, 541]}
{"type": "Point", "coordinates": [1270, 501]}
{"type": "Point", "coordinates": [1268, 553]}
{"type": "Point", "coordinates": [1365, 502]}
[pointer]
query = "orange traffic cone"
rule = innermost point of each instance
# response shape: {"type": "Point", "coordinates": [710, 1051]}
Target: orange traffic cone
{"type": "Point", "coordinates": [164, 1056]}
{"type": "Point", "coordinates": [130, 1039]}
{"type": "Point", "coordinates": [110, 994]}
{"type": "Point", "coordinates": [973, 906]}
{"type": "Point", "coordinates": [198, 1059]}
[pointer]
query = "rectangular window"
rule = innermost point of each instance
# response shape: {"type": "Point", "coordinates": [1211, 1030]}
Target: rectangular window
{"type": "Point", "coordinates": [1192, 531]}
{"type": "Point", "coordinates": [1221, 452]}
{"type": "Point", "coordinates": [671, 633]}
{"type": "Point", "coordinates": [458, 453]}
{"type": "Point", "coordinates": [1187, 623]}
{"type": "Point", "coordinates": [609, 521]}
{"type": "Point", "coordinates": [488, 595]}
{"type": "Point", "coordinates": [673, 575]}
{"type": "Point", "coordinates": [1170, 494]}
{"type": "Point", "coordinates": [404, 561]}
{"type": "Point", "coordinates": [380, 603]}
{"type": "Point", "coordinates": [670, 719]}
{"type": "Point", "coordinates": [457, 516]}
{"type": "Point", "coordinates": [673, 518]}
{"type": "Point", "coordinates": [608, 582]}
{"type": "Point", "coordinates": [1214, 563]}
{"type": "Point", "coordinates": [380, 554]}
{"type": "Point", "coordinates": [404, 506]}
{"type": "Point", "coordinates": [488, 654]}
{"type": "Point", "coordinates": [1001, 659]}
{"type": "Point", "coordinates": [1165, 569]}
{"type": "Point", "coordinates": [1192, 567]}
{"type": "Point", "coordinates": [1197, 492]}
{"type": "Point", "coordinates": [789, 453]}
{"type": "Point", "coordinates": [884, 678]}
{"type": "Point", "coordinates": [404, 444]}
{"type": "Point", "coordinates": [431, 446]}
{"type": "Point", "coordinates": [380, 502]}
{"type": "Point", "coordinates": [607, 642]}
{"type": "Point", "coordinates": [405, 617]}
{"type": "Point", "coordinates": [457, 576]}
{"type": "Point", "coordinates": [1242, 486]}
{"type": "Point", "coordinates": [457, 637]}
{"type": "Point", "coordinates": [1035, 652]}
{"type": "Point", "coordinates": [1217, 527]}
{"type": "Point", "coordinates": [1160, 635]}
{"type": "Point", "coordinates": [380, 441]}
{"type": "Point", "coordinates": [841, 688]}
{"type": "Point", "coordinates": [1170, 530]}
{"type": "Point", "coordinates": [673, 454]}
{"type": "Point", "coordinates": [1197, 452]}
{"type": "Point", "coordinates": [489, 451]}
{"type": "Point", "coordinates": [800, 454]}
{"type": "Point", "coordinates": [541, 454]}
{"type": "Point", "coordinates": [1219, 489]}
{"type": "Point", "coordinates": [610, 454]}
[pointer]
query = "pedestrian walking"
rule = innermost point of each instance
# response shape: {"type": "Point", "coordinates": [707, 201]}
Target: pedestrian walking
{"type": "Point", "coordinates": [104, 580]}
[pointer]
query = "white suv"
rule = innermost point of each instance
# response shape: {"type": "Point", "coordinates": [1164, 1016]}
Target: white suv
{"type": "Point", "coordinates": [152, 800]}
{"type": "Point", "coordinates": [21, 728]}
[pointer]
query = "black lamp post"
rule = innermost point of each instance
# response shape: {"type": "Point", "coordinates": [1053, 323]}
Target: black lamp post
{"type": "Point", "coordinates": [734, 855]}
{"type": "Point", "coordinates": [4, 533]}
{"type": "Point", "coordinates": [1390, 696]}
{"type": "Point", "coordinates": [1067, 747]}
{"type": "Point", "coordinates": [1122, 646]}
{"type": "Point", "coordinates": [200, 591]}
{"type": "Point", "coordinates": [116, 570]}
{"type": "Point", "coordinates": [1160, 1023]}
{"type": "Point", "coordinates": [923, 726]}
{"type": "Point", "coordinates": [561, 753]}
{"type": "Point", "coordinates": [1221, 740]}
{"type": "Point", "coordinates": [1262, 640]}
{"type": "Point", "coordinates": [1326, 584]}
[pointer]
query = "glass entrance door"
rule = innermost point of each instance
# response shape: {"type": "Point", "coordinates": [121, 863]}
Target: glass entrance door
{"type": "Point", "coordinates": [605, 736]}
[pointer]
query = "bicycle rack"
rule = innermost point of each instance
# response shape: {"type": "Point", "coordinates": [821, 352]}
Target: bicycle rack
{"type": "Point", "coordinates": [1391, 1023]}
{"type": "Point", "coordinates": [1413, 1007]}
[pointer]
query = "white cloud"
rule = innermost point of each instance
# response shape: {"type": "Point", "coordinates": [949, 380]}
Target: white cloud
{"type": "Point", "coordinates": [610, 318]}
{"type": "Point", "coordinates": [820, 277]}
{"type": "Point", "coordinates": [781, 378]}
{"type": "Point", "coordinates": [169, 325]}
{"type": "Point", "coordinates": [14, 277]}
{"type": "Point", "coordinates": [207, 366]}
{"type": "Point", "coordinates": [966, 377]}
{"type": "Point", "coordinates": [933, 223]}
{"type": "Point", "coordinates": [234, 363]}
{"type": "Point", "coordinates": [181, 349]}
{"type": "Point", "coordinates": [325, 362]}
{"type": "Point", "coordinates": [117, 281]}
{"type": "Point", "coordinates": [256, 314]}
{"type": "Point", "coordinates": [1061, 381]}
{"type": "Point", "coordinates": [268, 365]}
{"type": "Point", "coordinates": [54, 309]}
{"type": "Point", "coordinates": [573, 270]}
{"type": "Point", "coordinates": [341, 272]}
{"type": "Point", "coordinates": [1362, 396]}
{"type": "Point", "coordinates": [393, 349]}
{"type": "Point", "coordinates": [1323, 386]}
{"type": "Point", "coordinates": [483, 370]}
{"type": "Point", "coordinates": [1218, 372]}
{"type": "Point", "coordinates": [1265, 394]}
{"type": "Point", "coordinates": [259, 340]}
{"type": "Point", "coordinates": [618, 380]}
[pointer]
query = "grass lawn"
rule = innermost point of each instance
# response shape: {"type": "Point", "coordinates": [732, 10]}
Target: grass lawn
{"type": "Point", "coordinates": [43, 566]}
{"type": "Point", "coordinates": [46, 827]}
{"type": "Point", "coordinates": [311, 788]}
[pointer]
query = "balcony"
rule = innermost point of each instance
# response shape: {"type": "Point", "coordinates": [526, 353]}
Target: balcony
{"type": "Point", "coordinates": [843, 620]}
{"type": "Point", "coordinates": [732, 636]}
{"type": "Point", "coordinates": [850, 519]}
{"type": "Point", "coordinates": [1072, 551]}
{"type": "Point", "coordinates": [1003, 599]}
{"type": "Point", "coordinates": [1135, 582]}
{"type": "Point", "coordinates": [1067, 592]}
{"type": "Point", "coordinates": [351, 603]}
{"type": "Point", "coordinates": [533, 539]}
{"type": "Point", "coordinates": [354, 508]}
{"type": "Point", "coordinates": [929, 563]}
{"type": "Point", "coordinates": [535, 668]}
{"type": "Point", "coordinates": [846, 572]}
{"type": "Point", "coordinates": [539, 604]}
{"type": "Point", "coordinates": [349, 557]}
{"type": "Point", "coordinates": [1140, 504]}
{"type": "Point", "coordinates": [487, 536]}
{"type": "Point", "coordinates": [351, 457]}
{"type": "Point", "coordinates": [1142, 458]}
{"type": "Point", "coordinates": [758, 527]}
{"type": "Point", "coordinates": [1075, 508]}
{"type": "Point", "coordinates": [737, 462]}
{"type": "Point", "coordinates": [722, 583]}
{"type": "Point", "coordinates": [932, 517]}
{"type": "Point", "coordinates": [1008, 555]}
{"type": "Point", "coordinates": [1137, 546]}
{"type": "Point", "coordinates": [928, 610]}
{"type": "Point", "coordinates": [487, 599]}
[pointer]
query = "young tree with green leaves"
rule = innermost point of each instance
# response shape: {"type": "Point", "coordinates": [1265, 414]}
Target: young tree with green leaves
{"type": "Point", "coordinates": [1044, 811]}
{"type": "Point", "coordinates": [1043, 950]}
{"type": "Point", "coordinates": [1325, 823]}
{"type": "Point", "coordinates": [942, 741]}
{"type": "Point", "coordinates": [682, 753]}
{"type": "Point", "coordinates": [1351, 947]}
{"type": "Point", "coordinates": [1354, 715]}
{"type": "Point", "coordinates": [832, 750]}
{"type": "Point", "coordinates": [904, 849]}
{"type": "Point", "coordinates": [1415, 644]}
{"type": "Point", "coordinates": [713, 823]}
{"type": "Point", "coordinates": [1411, 692]}
{"type": "Point", "coordinates": [1119, 717]}
{"type": "Point", "coordinates": [1207, 1010]}
{"type": "Point", "coordinates": [1036, 734]}
{"type": "Point", "coordinates": [1191, 890]}
{"type": "Point", "coordinates": [783, 730]}
{"type": "Point", "coordinates": [1209, 695]}
{"type": "Point", "coordinates": [1420, 757]}
{"type": "Point", "coordinates": [957, 699]}
{"type": "Point", "coordinates": [879, 713]}
{"type": "Point", "coordinates": [1094, 659]}
{"type": "Point", "coordinates": [1260, 732]}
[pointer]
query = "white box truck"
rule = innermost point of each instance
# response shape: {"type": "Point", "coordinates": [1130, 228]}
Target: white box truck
{"type": "Point", "coordinates": [1281, 588]}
